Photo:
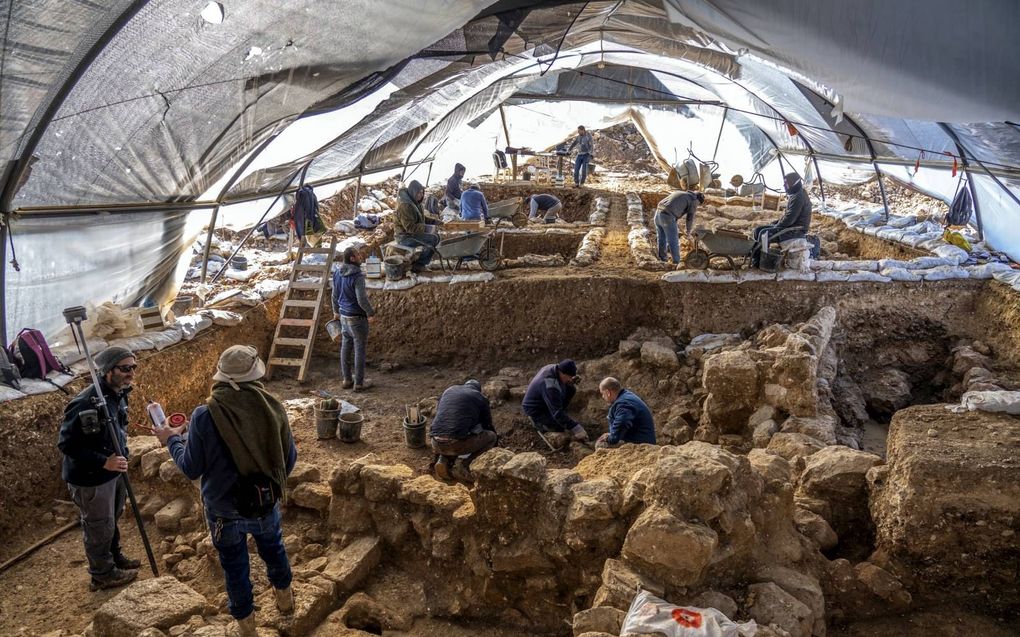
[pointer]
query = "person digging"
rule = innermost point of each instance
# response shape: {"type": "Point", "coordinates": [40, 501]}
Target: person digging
{"type": "Point", "coordinates": [546, 400]}
{"type": "Point", "coordinates": [462, 428]}
{"type": "Point", "coordinates": [629, 418]}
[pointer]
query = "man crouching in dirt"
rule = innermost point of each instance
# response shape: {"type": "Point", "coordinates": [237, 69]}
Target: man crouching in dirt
{"type": "Point", "coordinates": [630, 420]}
{"type": "Point", "coordinates": [241, 445]}
{"type": "Point", "coordinates": [92, 468]}
{"type": "Point", "coordinates": [463, 425]}
{"type": "Point", "coordinates": [547, 398]}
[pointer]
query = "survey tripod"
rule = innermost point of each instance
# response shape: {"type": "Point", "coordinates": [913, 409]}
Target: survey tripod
{"type": "Point", "coordinates": [74, 317]}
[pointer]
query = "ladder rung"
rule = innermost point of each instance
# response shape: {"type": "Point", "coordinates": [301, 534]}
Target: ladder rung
{"type": "Point", "coordinates": [305, 285]}
{"type": "Point", "coordinates": [296, 342]}
{"type": "Point", "coordinates": [317, 251]}
{"type": "Point", "coordinates": [301, 303]}
{"type": "Point", "coordinates": [310, 267]}
{"type": "Point", "coordinates": [297, 322]}
{"type": "Point", "coordinates": [288, 362]}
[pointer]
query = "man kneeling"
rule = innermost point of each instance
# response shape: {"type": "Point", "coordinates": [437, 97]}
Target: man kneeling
{"type": "Point", "coordinates": [462, 428]}
{"type": "Point", "coordinates": [630, 420]}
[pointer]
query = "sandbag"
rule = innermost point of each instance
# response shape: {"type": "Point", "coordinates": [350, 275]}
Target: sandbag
{"type": "Point", "coordinates": [987, 270]}
{"type": "Point", "coordinates": [952, 253]}
{"type": "Point", "coordinates": [686, 276]}
{"type": "Point", "coordinates": [871, 266]}
{"type": "Point", "coordinates": [829, 276]}
{"type": "Point", "coordinates": [995, 401]}
{"type": "Point", "coordinates": [944, 273]}
{"type": "Point", "coordinates": [873, 277]}
{"type": "Point", "coordinates": [900, 274]}
{"type": "Point", "coordinates": [649, 615]}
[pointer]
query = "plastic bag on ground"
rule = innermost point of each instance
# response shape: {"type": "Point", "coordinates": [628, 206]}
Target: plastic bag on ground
{"type": "Point", "coordinates": [650, 615]}
{"type": "Point", "coordinates": [997, 401]}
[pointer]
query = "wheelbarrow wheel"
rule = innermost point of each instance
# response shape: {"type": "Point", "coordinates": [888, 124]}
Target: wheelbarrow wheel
{"type": "Point", "coordinates": [519, 219]}
{"type": "Point", "coordinates": [489, 257]}
{"type": "Point", "coordinates": [730, 263]}
{"type": "Point", "coordinates": [696, 260]}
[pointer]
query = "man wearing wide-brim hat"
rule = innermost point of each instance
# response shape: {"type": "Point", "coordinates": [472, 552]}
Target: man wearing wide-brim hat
{"type": "Point", "coordinates": [241, 445]}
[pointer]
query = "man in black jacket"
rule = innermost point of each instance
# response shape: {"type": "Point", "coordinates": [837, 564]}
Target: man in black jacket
{"type": "Point", "coordinates": [796, 221]}
{"type": "Point", "coordinates": [92, 467]}
{"type": "Point", "coordinates": [462, 427]}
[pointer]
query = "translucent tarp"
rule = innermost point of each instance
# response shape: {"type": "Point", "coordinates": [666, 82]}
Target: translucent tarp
{"type": "Point", "coordinates": [128, 258]}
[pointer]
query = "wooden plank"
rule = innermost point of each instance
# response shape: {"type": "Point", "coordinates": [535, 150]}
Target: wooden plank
{"type": "Point", "coordinates": [306, 285]}
{"type": "Point", "coordinates": [301, 303]}
{"type": "Point", "coordinates": [286, 362]}
{"type": "Point", "coordinates": [297, 322]}
{"type": "Point", "coordinates": [318, 250]}
{"type": "Point", "coordinates": [291, 342]}
{"type": "Point", "coordinates": [310, 267]}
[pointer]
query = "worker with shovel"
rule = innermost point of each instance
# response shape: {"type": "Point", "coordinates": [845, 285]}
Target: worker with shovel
{"type": "Point", "coordinates": [546, 401]}
{"type": "Point", "coordinates": [462, 428]}
{"type": "Point", "coordinates": [92, 468]}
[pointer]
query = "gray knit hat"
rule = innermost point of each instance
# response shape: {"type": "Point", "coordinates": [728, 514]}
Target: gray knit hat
{"type": "Point", "coordinates": [474, 384]}
{"type": "Point", "coordinates": [109, 357]}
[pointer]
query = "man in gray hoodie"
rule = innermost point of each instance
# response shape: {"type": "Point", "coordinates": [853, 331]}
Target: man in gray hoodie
{"type": "Point", "coordinates": [409, 228]}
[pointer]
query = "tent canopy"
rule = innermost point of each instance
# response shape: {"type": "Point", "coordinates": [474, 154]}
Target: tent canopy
{"type": "Point", "coordinates": [113, 108]}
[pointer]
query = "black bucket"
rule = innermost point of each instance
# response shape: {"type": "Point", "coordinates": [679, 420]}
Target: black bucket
{"type": "Point", "coordinates": [414, 435]}
{"type": "Point", "coordinates": [770, 261]}
{"type": "Point", "coordinates": [395, 268]}
{"type": "Point", "coordinates": [350, 427]}
{"type": "Point", "coordinates": [325, 422]}
{"type": "Point", "coordinates": [239, 263]}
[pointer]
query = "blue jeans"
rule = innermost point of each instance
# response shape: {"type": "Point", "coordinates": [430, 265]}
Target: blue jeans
{"type": "Point", "coordinates": [354, 338]}
{"type": "Point", "coordinates": [581, 168]}
{"type": "Point", "coordinates": [667, 234]}
{"type": "Point", "coordinates": [229, 536]}
{"type": "Point", "coordinates": [428, 243]}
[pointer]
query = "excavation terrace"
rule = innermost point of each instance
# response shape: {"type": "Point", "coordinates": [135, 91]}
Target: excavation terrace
{"type": "Point", "coordinates": [824, 463]}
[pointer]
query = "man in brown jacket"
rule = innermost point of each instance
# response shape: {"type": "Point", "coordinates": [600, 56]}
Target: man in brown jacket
{"type": "Point", "coordinates": [409, 228]}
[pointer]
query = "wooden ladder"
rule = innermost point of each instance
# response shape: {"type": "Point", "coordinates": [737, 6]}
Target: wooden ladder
{"type": "Point", "coordinates": [295, 331]}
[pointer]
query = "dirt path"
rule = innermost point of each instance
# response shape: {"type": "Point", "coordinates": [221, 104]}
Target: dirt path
{"type": "Point", "coordinates": [615, 249]}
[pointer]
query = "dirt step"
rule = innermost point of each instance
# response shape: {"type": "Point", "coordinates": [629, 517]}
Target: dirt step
{"type": "Point", "coordinates": [615, 249]}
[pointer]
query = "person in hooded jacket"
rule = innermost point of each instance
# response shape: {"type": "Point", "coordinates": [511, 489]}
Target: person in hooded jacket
{"type": "Point", "coordinates": [453, 187]}
{"type": "Point", "coordinates": [796, 221]}
{"type": "Point", "coordinates": [354, 311]}
{"type": "Point", "coordinates": [409, 227]}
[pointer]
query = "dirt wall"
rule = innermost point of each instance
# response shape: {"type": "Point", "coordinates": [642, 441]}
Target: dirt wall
{"type": "Point", "coordinates": [576, 201]}
{"type": "Point", "coordinates": [518, 244]}
{"type": "Point", "coordinates": [997, 309]}
{"type": "Point", "coordinates": [177, 377]}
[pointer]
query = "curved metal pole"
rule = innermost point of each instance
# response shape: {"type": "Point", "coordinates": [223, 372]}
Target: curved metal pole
{"type": "Point", "coordinates": [223, 192]}
{"type": "Point", "coordinates": [973, 191]}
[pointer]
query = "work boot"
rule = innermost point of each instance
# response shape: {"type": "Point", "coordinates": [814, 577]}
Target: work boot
{"type": "Point", "coordinates": [363, 385]}
{"type": "Point", "coordinates": [125, 563]}
{"type": "Point", "coordinates": [347, 384]}
{"type": "Point", "coordinates": [245, 627]}
{"type": "Point", "coordinates": [113, 579]}
{"type": "Point", "coordinates": [442, 469]}
{"type": "Point", "coordinates": [461, 473]}
{"type": "Point", "coordinates": [284, 600]}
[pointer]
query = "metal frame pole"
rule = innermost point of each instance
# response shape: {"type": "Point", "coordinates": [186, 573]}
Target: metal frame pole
{"type": "Point", "coordinates": [4, 221]}
{"type": "Point", "coordinates": [722, 124]}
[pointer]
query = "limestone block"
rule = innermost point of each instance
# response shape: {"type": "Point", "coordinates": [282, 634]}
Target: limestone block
{"type": "Point", "coordinates": [160, 603]}
{"type": "Point", "coordinates": [138, 446]}
{"type": "Point", "coordinates": [713, 599]}
{"type": "Point", "coordinates": [821, 428]}
{"type": "Point", "coordinates": [837, 476]}
{"type": "Point", "coordinates": [152, 460]}
{"type": "Point", "coordinates": [793, 445]}
{"type": "Point", "coordinates": [763, 432]}
{"type": "Point", "coordinates": [349, 567]}
{"type": "Point", "coordinates": [303, 472]}
{"type": "Point", "coordinates": [773, 468]}
{"type": "Point", "coordinates": [886, 390]}
{"type": "Point", "coordinates": [816, 528]}
{"type": "Point", "coordinates": [630, 349]}
{"type": "Point", "coordinates": [168, 518]}
{"type": "Point", "coordinates": [486, 466]}
{"type": "Point", "coordinates": [659, 355]}
{"type": "Point", "coordinates": [520, 557]}
{"type": "Point", "coordinates": [619, 584]}
{"type": "Point", "coordinates": [312, 495]}
{"type": "Point", "coordinates": [312, 604]}
{"type": "Point", "coordinates": [732, 380]}
{"type": "Point", "coordinates": [805, 588]}
{"type": "Point", "coordinates": [881, 583]}
{"type": "Point", "coordinates": [769, 604]}
{"type": "Point", "coordinates": [600, 619]}
{"type": "Point", "coordinates": [527, 467]}
{"type": "Point", "coordinates": [168, 472]}
{"type": "Point", "coordinates": [383, 482]}
{"type": "Point", "coordinates": [496, 390]}
{"type": "Point", "coordinates": [672, 550]}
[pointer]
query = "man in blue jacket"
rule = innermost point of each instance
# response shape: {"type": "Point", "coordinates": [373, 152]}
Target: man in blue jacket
{"type": "Point", "coordinates": [548, 396]}
{"type": "Point", "coordinates": [630, 420]}
{"type": "Point", "coordinates": [241, 445]}
{"type": "Point", "coordinates": [473, 205]}
{"type": "Point", "coordinates": [92, 468]}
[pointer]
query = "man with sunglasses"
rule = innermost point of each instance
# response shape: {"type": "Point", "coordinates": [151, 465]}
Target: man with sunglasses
{"type": "Point", "coordinates": [92, 468]}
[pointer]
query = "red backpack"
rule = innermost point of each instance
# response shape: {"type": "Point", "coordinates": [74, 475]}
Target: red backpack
{"type": "Point", "coordinates": [32, 355]}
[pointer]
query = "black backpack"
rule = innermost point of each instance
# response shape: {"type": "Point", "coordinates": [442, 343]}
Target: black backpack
{"type": "Point", "coordinates": [9, 374]}
{"type": "Point", "coordinates": [961, 208]}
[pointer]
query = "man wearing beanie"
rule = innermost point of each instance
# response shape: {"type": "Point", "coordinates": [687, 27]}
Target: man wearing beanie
{"type": "Point", "coordinates": [241, 445]}
{"type": "Point", "coordinates": [92, 468]}
{"type": "Point", "coordinates": [462, 428]}
{"type": "Point", "coordinates": [548, 396]}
